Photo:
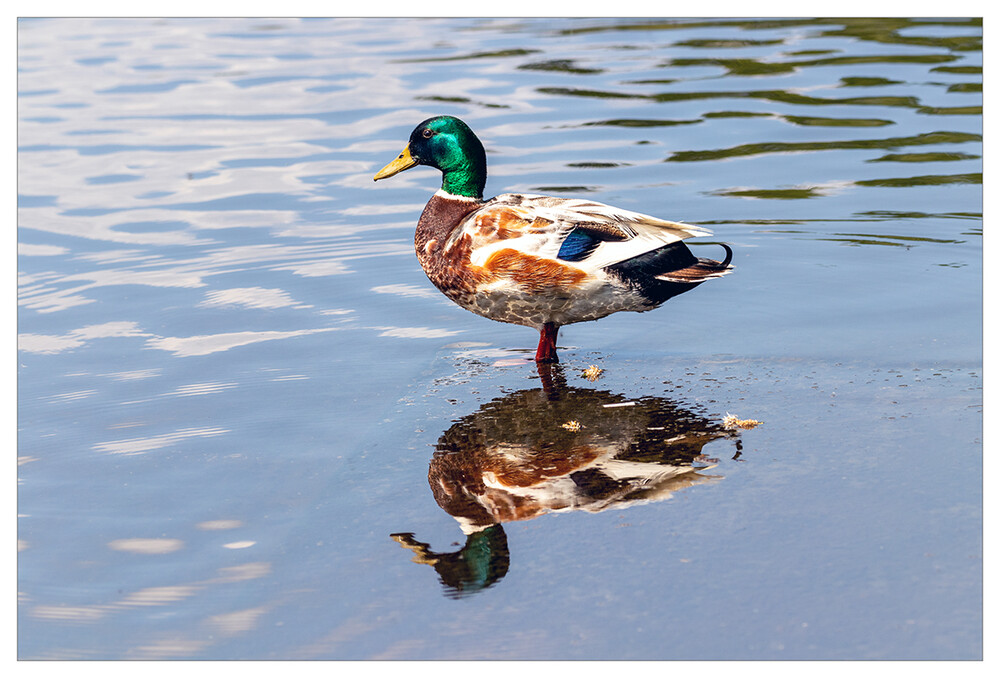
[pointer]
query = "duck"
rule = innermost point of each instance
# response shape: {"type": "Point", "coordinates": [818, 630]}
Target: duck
{"type": "Point", "coordinates": [540, 261]}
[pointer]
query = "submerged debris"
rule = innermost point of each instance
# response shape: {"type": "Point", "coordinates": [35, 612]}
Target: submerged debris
{"type": "Point", "coordinates": [572, 426]}
{"type": "Point", "coordinates": [731, 421]}
{"type": "Point", "coordinates": [593, 373]}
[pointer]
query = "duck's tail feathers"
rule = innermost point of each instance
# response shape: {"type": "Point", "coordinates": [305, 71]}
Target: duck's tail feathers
{"type": "Point", "coordinates": [702, 270]}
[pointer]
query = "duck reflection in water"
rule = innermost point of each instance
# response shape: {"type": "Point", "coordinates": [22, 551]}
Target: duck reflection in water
{"type": "Point", "coordinates": [553, 449]}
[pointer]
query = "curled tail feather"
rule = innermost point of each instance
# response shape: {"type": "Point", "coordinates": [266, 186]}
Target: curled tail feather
{"type": "Point", "coordinates": [702, 270]}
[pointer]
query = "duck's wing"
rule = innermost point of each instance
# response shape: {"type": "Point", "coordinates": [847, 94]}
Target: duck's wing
{"type": "Point", "coordinates": [585, 234]}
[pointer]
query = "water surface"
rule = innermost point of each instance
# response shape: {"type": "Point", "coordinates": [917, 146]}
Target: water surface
{"type": "Point", "coordinates": [241, 403]}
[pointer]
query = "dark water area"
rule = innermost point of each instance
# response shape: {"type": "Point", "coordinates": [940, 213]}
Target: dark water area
{"type": "Point", "coordinates": [250, 428]}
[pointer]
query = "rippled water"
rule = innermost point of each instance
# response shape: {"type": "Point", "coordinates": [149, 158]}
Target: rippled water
{"type": "Point", "coordinates": [234, 380]}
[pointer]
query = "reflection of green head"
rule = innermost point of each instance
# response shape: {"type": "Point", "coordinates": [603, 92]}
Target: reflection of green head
{"type": "Point", "coordinates": [448, 144]}
{"type": "Point", "coordinates": [482, 562]}
{"type": "Point", "coordinates": [486, 560]}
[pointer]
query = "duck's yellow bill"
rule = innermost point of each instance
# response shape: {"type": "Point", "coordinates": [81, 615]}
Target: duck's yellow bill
{"type": "Point", "coordinates": [404, 162]}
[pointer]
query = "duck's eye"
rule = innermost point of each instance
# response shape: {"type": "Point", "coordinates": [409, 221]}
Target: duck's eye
{"type": "Point", "coordinates": [428, 134]}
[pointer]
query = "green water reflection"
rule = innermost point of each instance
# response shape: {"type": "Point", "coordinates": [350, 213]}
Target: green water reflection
{"type": "Point", "coordinates": [744, 150]}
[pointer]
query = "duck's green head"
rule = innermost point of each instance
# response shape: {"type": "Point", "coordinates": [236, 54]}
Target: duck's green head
{"type": "Point", "coordinates": [448, 144]}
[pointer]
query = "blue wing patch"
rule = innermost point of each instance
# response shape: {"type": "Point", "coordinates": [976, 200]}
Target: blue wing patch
{"type": "Point", "coordinates": [577, 246]}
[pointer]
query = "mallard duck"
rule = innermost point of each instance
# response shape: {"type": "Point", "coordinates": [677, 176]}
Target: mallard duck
{"type": "Point", "coordinates": [534, 260]}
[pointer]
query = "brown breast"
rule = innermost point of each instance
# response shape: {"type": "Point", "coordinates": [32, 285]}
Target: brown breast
{"type": "Point", "coordinates": [448, 269]}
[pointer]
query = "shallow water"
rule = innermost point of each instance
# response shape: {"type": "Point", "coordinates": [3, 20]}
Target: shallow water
{"type": "Point", "coordinates": [234, 379]}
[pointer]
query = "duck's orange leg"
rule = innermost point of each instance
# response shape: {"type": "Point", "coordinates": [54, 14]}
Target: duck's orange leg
{"type": "Point", "coordinates": [546, 352]}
